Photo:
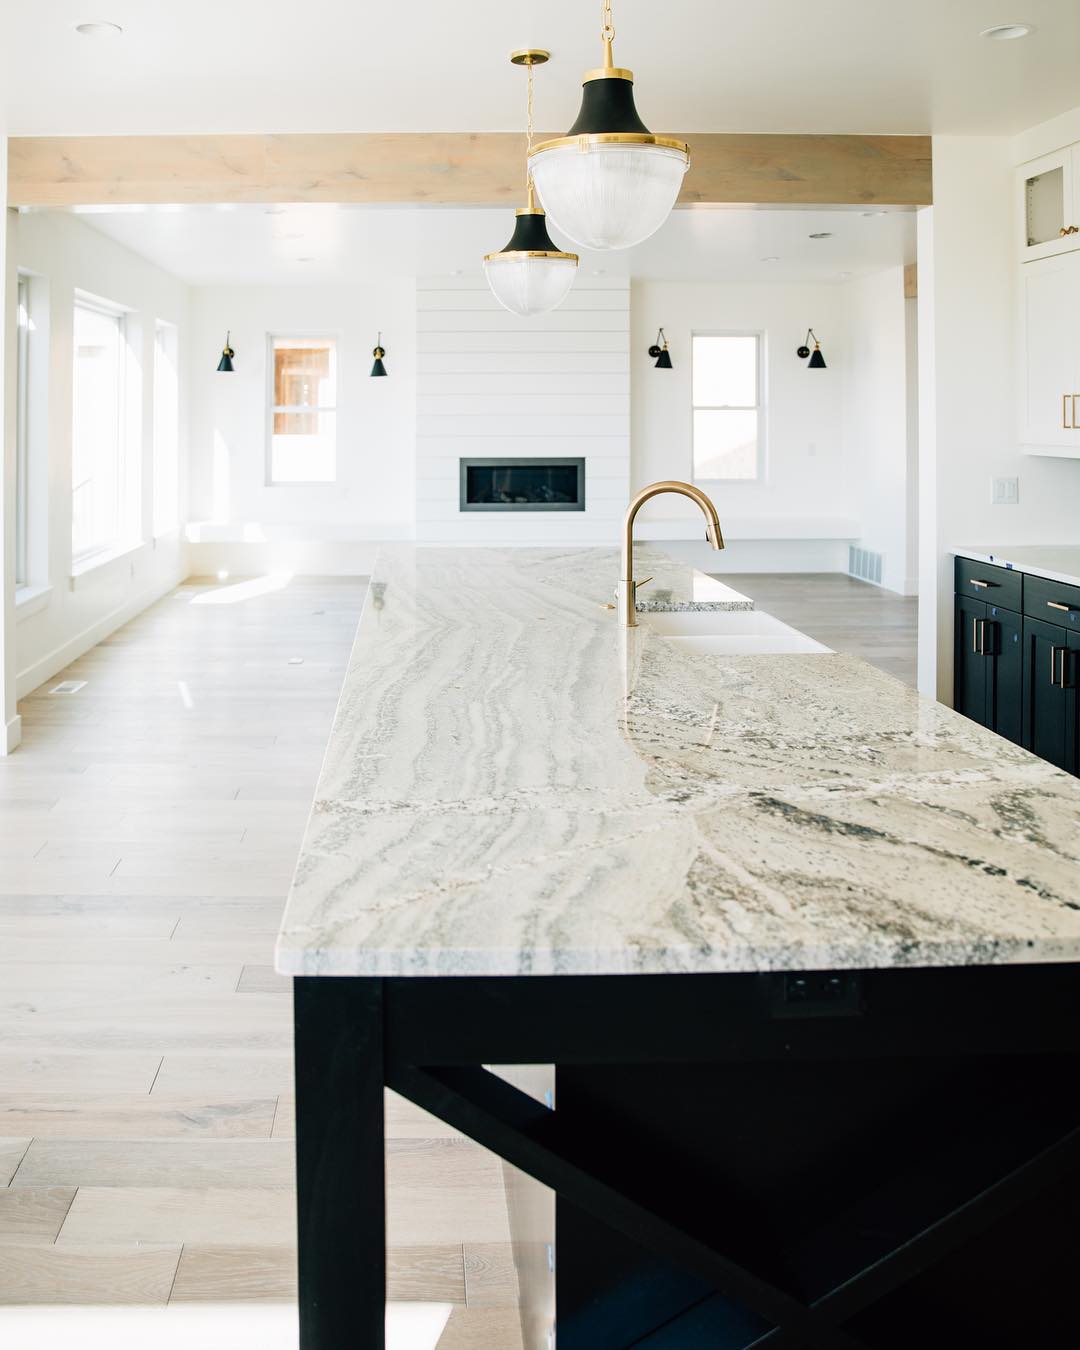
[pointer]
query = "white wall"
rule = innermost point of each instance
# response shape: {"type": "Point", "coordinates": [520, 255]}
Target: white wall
{"type": "Point", "coordinates": [812, 501]}
{"type": "Point", "coordinates": [68, 616]}
{"type": "Point", "coordinates": [875, 420]}
{"type": "Point", "coordinates": [494, 384]}
{"type": "Point", "coordinates": [968, 272]}
{"type": "Point", "coordinates": [10, 729]}
{"type": "Point", "coordinates": [310, 527]}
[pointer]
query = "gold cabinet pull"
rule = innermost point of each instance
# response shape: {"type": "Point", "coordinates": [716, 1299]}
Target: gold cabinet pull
{"type": "Point", "coordinates": [1059, 681]}
{"type": "Point", "coordinates": [1065, 412]}
{"type": "Point", "coordinates": [1056, 604]}
{"type": "Point", "coordinates": [974, 581]}
{"type": "Point", "coordinates": [974, 637]}
{"type": "Point", "coordinates": [1074, 397]}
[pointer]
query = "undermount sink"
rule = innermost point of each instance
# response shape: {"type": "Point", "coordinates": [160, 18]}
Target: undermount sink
{"type": "Point", "coordinates": [731, 633]}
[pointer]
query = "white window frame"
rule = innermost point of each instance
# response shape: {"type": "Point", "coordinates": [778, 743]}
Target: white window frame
{"type": "Point", "coordinates": [760, 407]}
{"type": "Point", "coordinates": [127, 489]}
{"type": "Point", "coordinates": [161, 525]}
{"type": "Point", "coordinates": [272, 407]}
{"type": "Point", "coordinates": [22, 434]}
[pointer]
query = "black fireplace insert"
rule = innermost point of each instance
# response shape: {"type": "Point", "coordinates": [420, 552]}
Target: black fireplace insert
{"type": "Point", "coordinates": [551, 484]}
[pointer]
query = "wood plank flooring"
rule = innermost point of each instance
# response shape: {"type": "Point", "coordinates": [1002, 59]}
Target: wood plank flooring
{"type": "Point", "coordinates": [149, 826]}
{"type": "Point", "coordinates": [850, 616]}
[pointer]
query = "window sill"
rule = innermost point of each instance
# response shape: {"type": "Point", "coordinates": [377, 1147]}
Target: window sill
{"type": "Point", "coordinates": [85, 567]}
{"type": "Point", "coordinates": [30, 600]}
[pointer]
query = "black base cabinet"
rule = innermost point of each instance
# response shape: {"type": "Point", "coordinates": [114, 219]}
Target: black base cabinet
{"type": "Point", "coordinates": [1017, 670]}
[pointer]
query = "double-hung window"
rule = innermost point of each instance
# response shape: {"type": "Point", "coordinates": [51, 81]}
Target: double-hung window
{"type": "Point", "coordinates": [303, 410]}
{"type": "Point", "coordinates": [728, 412]}
{"type": "Point", "coordinates": [102, 497]}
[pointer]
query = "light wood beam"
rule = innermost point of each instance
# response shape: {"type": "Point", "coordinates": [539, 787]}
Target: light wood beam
{"type": "Point", "coordinates": [442, 169]}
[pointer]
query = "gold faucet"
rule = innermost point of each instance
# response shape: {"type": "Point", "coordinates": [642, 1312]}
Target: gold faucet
{"type": "Point", "coordinates": [627, 585]}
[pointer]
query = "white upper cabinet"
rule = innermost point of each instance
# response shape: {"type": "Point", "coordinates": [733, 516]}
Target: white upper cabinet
{"type": "Point", "coordinates": [1048, 193]}
{"type": "Point", "coordinates": [1049, 351]}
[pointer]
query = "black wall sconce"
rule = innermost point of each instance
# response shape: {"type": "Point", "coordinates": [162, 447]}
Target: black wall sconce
{"type": "Point", "coordinates": [378, 368]}
{"type": "Point", "coordinates": [227, 355]}
{"type": "Point", "coordinates": [659, 350]}
{"type": "Point", "coordinates": [817, 361]}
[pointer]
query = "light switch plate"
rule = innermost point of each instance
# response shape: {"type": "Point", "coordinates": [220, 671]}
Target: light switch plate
{"type": "Point", "coordinates": [1004, 491]}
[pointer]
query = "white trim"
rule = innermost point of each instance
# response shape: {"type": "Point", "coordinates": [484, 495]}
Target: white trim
{"type": "Point", "coordinates": [31, 600]}
{"type": "Point", "coordinates": [91, 562]}
{"type": "Point", "coordinates": [12, 738]}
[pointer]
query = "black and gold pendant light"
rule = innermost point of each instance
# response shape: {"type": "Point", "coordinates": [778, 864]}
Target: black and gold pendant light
{"type": "Point", "coordinates": [659, 350]}
{"type": "Point", "coordinates": [380, 351]}
{"type": "Point", "coordinates": [530, 275]}
{"type": "Point", "coordinates": [817, 361]}
{"type": "Point", "coordinates": [609, 182]}
{"type": "Point", "coordinates": [227, 354]}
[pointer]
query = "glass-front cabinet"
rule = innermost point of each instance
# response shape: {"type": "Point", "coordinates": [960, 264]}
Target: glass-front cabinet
{"type": "Point", "coordinates": [1048, 190]}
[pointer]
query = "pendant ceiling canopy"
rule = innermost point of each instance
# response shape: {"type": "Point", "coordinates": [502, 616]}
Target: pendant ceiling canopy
{"type": "Point", "coordinates": [609, 183]}
{"type": "Point", "coordinates": [530, 275]}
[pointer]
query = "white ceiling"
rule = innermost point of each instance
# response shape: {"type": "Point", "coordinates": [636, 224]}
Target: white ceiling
{"type": "Point", "coordinates": [255, 245]}
{"type": "Point", "coordinates": [362, 65]}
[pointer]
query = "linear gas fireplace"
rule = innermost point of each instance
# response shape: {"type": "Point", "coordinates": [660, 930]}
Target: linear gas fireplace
{"type": "Point", "coordinates": [523, 484]}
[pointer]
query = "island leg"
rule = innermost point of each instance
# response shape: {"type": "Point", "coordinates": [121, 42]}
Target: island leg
{"type": "Point", "coordinates": [341, 1206]}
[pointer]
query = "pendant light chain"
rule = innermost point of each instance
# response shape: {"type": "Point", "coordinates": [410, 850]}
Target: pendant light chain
{"type": "Point", "coordinates": [529, 133]}
{"type": "Point", "coordinates": [607, 30]}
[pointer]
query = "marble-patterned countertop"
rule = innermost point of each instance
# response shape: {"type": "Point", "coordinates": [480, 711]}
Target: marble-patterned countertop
{"type": "Point", "coordinates": [516, 785]}
{"type": "Point", "coordinates": [1055, 562]}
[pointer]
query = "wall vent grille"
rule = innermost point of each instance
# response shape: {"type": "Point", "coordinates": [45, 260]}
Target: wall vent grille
{"type": "Point", "coordinates": [865, 564]}
{"type": "Point", "coordinates": [68, 687]}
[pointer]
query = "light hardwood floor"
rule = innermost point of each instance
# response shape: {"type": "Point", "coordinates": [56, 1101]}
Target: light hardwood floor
{"type": "Point", "coordinates": [848, 615]}
{"type": "Point", "coordinates": [148, 830]}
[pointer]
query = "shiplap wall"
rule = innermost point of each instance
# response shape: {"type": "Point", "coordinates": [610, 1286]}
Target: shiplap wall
{"type": "Point", "coordinates": [490, 383]}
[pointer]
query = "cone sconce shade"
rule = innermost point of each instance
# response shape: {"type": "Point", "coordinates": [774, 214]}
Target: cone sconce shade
{"type": "Point", "coordinates": [378, 368]}
{"type": "Point", "coordinates": [609, 182]}
{"type": "Point", "coordinates": [227, 354]}
{"type": "Point", "coordinates": [659, 350]}
{"type": "Point", "coordinates": [530, 275]}
{"type": "Point", "coordinates": [817, 361]}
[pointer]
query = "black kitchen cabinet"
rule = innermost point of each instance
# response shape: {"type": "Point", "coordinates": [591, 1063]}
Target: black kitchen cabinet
{"type": "Point", "coordinates": [1051, 656]}
{"type": "Point", "coordinates": [1017, 665]}
{"type": "Point", "coordinates": [989, 666]}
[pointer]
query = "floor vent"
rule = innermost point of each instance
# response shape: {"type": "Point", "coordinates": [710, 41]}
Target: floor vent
{"type": "Point", "coordinates": [68, 687]}
{"type": "Point", "coordinates": [865, 565]}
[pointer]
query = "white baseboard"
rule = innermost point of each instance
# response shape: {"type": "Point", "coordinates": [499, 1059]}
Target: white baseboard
{"type": "Point", "coordinates": [12, 735]}
{"type": "Point", "coordinates": [312, 558]}
{"type": "Point", "coordinates": [26, 681]}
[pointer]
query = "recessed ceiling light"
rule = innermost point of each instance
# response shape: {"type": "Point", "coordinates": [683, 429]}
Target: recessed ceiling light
{"type": "Point", "coordinates": [822, 234]}
{"type": "Point", "coordinates": [99, 29]}
{"type": "Point", "coordinates": [305, 260]}
{"type": "Point", "coordinates": [843, 275]}
{"type": "Point", "coordinates": [866, 215]}
{"type": "Point", "coordinates": [274, 211]}
{"type": "Point", "coordinates": [1008, 32]}
{"type": "Point", "coordinates": [770, 260]}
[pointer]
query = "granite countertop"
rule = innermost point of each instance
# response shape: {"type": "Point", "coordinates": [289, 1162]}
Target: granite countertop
{"type": "Point", "coordinates": [516, 785]}
{"type": "Point", "coordinates": [1055, 562]}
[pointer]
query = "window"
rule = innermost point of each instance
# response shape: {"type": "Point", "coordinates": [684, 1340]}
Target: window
{"type": "Point", "coordinates": [166, 428]}
{"type": "Point", "coordinates": [22, 434]}
{"type": "Point", "coordinates": [101, 516]}
{"type": "Point", "coordinates": [728, 431]}
{"type": "Point", "coordinates": [303, 410]}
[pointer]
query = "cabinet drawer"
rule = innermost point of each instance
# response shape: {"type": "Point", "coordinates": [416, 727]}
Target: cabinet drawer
{"type": "Point", "coordinates": [1053, 602]}
{"type": "Point", "coordinates": [996, 585]}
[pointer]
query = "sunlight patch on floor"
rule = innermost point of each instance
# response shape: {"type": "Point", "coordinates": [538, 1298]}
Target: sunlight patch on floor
{"type": "Point", "coordinates": [244, 590]}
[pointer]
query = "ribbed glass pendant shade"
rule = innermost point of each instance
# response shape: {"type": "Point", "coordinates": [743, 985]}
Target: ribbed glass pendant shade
{"type": "Point", "coordinates": [609, 183]}
{"type": "Point", "coordinates": [530, 275]}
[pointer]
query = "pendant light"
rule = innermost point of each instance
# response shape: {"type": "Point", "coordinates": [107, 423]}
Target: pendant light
{"type": "Point", "coordinates": [380, 351]}
{"type": "Point", "coordinates": [227, 355]}
{"type": "Point", "coordinates": [817, 361]}
{"type": "Point", "coordinates": [530, 275]}
{"type": "Point", "coordinates": [609, 183]}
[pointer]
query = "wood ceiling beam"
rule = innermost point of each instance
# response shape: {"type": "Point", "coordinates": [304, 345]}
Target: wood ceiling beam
{"type": "Point", "coordinates": [442, 169]}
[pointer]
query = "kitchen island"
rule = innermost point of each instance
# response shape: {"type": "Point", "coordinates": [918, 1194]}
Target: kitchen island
{"type": "Point", "coordinates": [799, 943]}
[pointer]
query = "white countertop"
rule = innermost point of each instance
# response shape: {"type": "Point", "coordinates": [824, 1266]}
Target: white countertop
{"type": "Point", "coordinates": [516, 785]}
{"type": "Point", "coordinates": [1055, 562]}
